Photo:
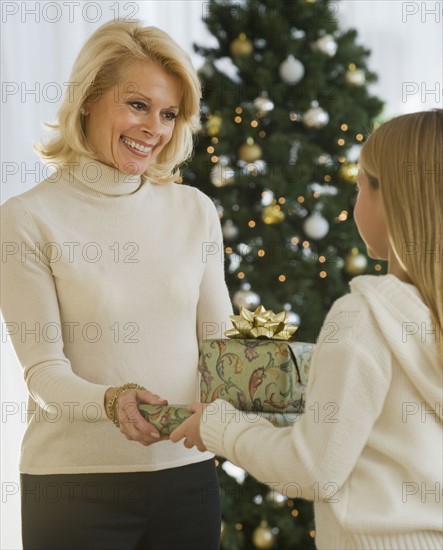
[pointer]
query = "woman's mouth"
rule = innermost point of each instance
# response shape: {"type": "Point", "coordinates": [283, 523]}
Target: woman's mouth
{"type": "Point", "coordinates": [137, 148]}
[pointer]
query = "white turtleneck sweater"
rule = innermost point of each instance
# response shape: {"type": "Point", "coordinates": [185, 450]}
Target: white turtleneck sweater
{"type": "Point", "coordinates": [368, 449]}
{"type": "Point", "coordinates": [107, 280]}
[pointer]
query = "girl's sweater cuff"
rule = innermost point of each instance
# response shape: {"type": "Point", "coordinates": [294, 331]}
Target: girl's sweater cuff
{"type": "Point", "coordinates": [214, 424]}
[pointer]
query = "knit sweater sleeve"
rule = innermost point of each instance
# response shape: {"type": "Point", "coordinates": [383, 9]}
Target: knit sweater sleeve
{"type": "Point", "coordinates": [214, 305]}
{"type": "Point", "coordinates": [348, 383]}
{"type": "Point", "coordinates": [32, 318]}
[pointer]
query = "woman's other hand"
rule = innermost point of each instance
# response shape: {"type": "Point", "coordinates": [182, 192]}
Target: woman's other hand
{"type": "Point", "coordinates": [131, 423]}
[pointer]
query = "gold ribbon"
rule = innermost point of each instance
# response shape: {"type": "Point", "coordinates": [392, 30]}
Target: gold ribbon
{"type": "Point", "coordinates": [261, 323]}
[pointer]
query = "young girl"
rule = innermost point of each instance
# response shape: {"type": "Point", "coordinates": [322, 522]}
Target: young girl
{"type": "Point", "coordinates": [374, 466]}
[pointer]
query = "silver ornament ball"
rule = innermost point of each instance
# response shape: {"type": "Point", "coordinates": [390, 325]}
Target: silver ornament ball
{"type": "Point", "coordinates": [315, 117]}
{"type": "Point", "coordinates": [230, 230]}
{"type": "Point", "coordinates": [263, 105]}
{"type": "Point", "coordinates": [326, 44]}
{"type": "Point", "coordinates": [246, 298]}
{"type": "Point", "coordinates": [222, 174]}
{"type": "Point", "coordinates": [356, 77]}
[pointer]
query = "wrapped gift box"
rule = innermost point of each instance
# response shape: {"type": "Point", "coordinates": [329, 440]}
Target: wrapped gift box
{"type": "Point", "coordinates": [258, 370]}
{"type": "Point", "coordinates": [256, 375]}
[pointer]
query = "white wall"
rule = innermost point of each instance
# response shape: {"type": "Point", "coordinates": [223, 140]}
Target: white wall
{"type": "Point", "coordinates": [406, 41]}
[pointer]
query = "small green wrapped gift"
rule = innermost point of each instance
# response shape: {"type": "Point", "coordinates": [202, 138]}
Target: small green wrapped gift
{"type": "Point", "coordinates": [165, 417]}
{"type": "Point", "coordinates": [258, 369]}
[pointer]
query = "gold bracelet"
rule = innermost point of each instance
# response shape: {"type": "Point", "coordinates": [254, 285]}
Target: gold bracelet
{"type": "Point", "coordinates": [113, 401]}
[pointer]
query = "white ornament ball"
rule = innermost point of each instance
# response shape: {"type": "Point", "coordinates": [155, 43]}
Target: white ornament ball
{"type": "Point", "coordinates": [315, 117]}
{"type": "Point", "coordinates": [297, 33]}
{"type": "Point", "coordinates": [293, 318]}
{"type": "Point", "coordinates": [356, 77]}
{"type": "Point", "coordinates": [267, 197]}
{"type": "Point", "coordinates": [326, 44]}
{"type": "Point", "coordinates": [230, 230]}
{"type": "Point", "coordinates": [246, 298]}
{"type": "Point", "coordinates": [291, 70]}
{"type": "Point", "coordinates": [316, 226]}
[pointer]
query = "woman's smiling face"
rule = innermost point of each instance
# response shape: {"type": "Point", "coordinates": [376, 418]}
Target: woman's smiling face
{"type": "Point", "coordinates": [129, 125]}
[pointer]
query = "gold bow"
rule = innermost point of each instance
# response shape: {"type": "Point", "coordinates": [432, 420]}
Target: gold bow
{"type": "Point", "coordinates": [261, 323]}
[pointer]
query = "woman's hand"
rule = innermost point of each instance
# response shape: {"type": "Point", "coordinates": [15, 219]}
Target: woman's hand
{"type": "Point", "coordinates": [190, 428]}
{"type": "Point", "coordinates": [131, 423]}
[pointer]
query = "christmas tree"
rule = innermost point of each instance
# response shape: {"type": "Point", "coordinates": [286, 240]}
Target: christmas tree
{"type": "Point", "coordinates": [285, 110]}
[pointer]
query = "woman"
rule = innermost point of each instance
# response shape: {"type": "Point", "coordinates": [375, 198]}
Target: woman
{"type": "Point", "coordinates": [112, 275]}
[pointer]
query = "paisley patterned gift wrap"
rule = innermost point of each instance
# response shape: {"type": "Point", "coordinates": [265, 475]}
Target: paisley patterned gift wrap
{"type": "Point", "coordinates": [267, 376]}
{"type": "Point", "coordinates": [165, 417]}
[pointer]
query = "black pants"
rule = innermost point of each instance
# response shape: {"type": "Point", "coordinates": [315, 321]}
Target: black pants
{"type": "Point", "coordinates": [174, 509]}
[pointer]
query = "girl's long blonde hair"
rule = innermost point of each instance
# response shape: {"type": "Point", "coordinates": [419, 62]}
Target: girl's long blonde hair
{"type": "Point", "coordinates": [404, 156]}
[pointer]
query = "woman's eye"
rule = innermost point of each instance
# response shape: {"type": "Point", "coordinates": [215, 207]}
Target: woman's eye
{"type": "Point", "coordinates": [170, 115]}
{"type": "Point", "coordinates": [138, 105]}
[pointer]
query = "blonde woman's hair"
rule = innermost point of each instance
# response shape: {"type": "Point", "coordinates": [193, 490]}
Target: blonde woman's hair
{"type": "Point", "coordinates": [404, 156]}
{"type": "Point", "coordinates": [99, 67]}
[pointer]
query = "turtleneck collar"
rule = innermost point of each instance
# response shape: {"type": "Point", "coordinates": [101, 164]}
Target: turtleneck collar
{"type": "Point", "coordinates": [101, 178]}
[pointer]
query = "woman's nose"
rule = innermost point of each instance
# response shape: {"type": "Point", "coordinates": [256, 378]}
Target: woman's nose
{"type": "Point", "coordinates": [152, 124]}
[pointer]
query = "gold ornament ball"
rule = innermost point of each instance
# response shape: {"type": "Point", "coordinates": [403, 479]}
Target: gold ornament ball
{"type": "Point", "coordinates": [241, 46]}
{"type": "Point", "coordinates": [349, 172]}
{"type": "Point", "coordinates": [214, 124]}
{"type": "Point", "coordinates": [272, 214]}
{"type": "Point", "coordinates": [262, 537]}
{"type": "Point", "coordinates": [250, 152]}
{"type": "Point", "coordinates": [355, 263]}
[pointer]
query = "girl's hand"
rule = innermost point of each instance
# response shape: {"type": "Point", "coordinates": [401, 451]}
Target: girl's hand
{"type": "Point", "coordinates": [190, 428]}
{"type": "Point", "coordinates": [131, 423]}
